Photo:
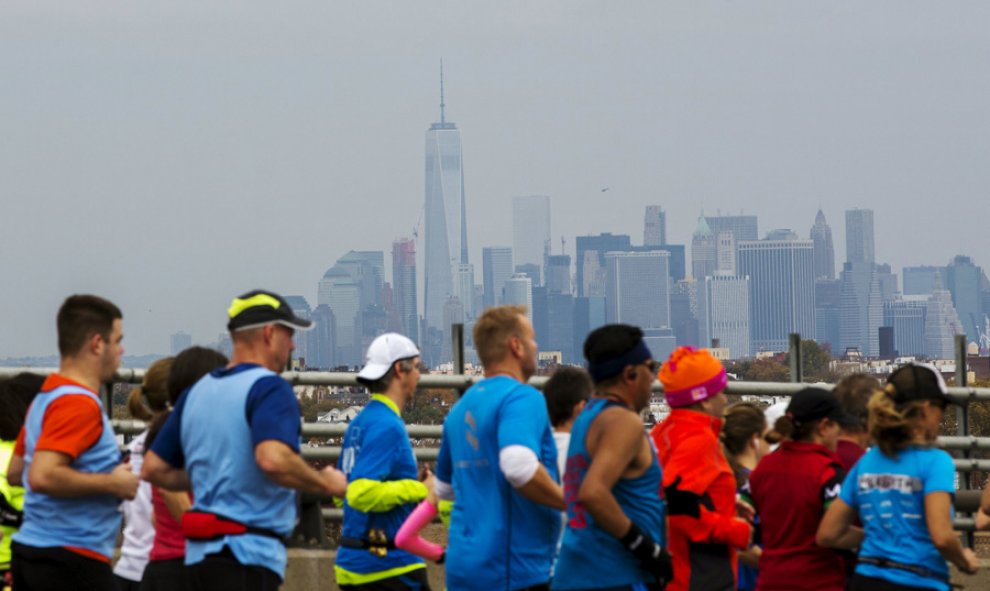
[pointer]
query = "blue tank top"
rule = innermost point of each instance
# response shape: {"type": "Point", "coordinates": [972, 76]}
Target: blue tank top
{"type": "Point", "coordinates": [89, 522]}
{"type": "Point", "coordinates": [219, 457]}
{"type": "Point", "coordinates": [613, 565]}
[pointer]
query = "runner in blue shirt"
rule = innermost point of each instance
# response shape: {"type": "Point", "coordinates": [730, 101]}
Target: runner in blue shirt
{"type": "Point", "coordinates": [902, 491]}
{"type": "Point", "coordinates": [615, 529]}
{"type": "Point", "coordinates": [242, 463]}
{"type": "Point", "coordinates": [382, 488]}
{"type": "Point", "coordinates": [498, 463]}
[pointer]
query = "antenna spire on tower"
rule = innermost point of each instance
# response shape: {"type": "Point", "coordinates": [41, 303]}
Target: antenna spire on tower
{"type": "Point", "coordinates": [443, 119]}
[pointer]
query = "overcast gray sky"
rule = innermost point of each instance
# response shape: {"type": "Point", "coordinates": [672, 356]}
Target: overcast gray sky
{"type": "Point", "coordinates": [169, 155]}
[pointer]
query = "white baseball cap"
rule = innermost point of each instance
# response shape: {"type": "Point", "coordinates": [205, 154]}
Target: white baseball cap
{"type": "Point", "coordinates": [383, 352]}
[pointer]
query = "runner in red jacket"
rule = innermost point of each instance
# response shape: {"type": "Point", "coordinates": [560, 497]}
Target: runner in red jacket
{"type": "Point", "coordinates": [704, 533]}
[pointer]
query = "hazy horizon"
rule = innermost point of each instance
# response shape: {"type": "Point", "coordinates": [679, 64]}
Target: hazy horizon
{"type": "Point", "coordinates": [169, 156]}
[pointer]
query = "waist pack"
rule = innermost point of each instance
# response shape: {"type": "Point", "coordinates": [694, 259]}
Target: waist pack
{"type": "Point", "coordinates": [202, 525]}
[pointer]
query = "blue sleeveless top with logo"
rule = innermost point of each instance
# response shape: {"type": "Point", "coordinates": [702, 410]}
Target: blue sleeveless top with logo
{"type": "Point", "coordinates": [591, 558]}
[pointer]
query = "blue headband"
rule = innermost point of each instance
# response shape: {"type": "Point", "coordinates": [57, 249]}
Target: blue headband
{"type": "Point", "coordinates": [604, 370]}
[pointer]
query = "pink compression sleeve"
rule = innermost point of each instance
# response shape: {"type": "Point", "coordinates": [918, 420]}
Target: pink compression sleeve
{"type": "Point", "coordinates": [408, 538]}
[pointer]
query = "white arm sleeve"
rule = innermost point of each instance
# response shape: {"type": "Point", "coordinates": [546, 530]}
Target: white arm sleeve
{"type": "Point", "coordinates": [444, 491]}
{"type": "Point", "coordinates": [518, 463]}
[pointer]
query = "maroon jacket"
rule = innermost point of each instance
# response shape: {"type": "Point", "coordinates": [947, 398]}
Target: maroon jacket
{"type": "Point", "coordinates": [791, 489]}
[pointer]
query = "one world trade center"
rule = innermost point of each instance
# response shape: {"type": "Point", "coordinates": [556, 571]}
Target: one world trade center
{"type": "Point", "coordinates": [445, 218]}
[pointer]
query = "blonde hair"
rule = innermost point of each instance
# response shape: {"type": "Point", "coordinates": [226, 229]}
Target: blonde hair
{"type": "Point", "coordinates": [893, 426]}
{"type": "Point", "coordinates": [494, 328]}
{"type": "Point", "coordinates": [151, 396]}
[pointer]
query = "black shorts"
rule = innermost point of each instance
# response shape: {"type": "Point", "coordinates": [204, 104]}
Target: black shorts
{"type": "Point", "coordinates": [222, 572]}
{"type": "Point", "coordinates": [58, 569]}
{"type": "Point", "coordinates": [411, 581]}
{"type": "Point", "coordinates": [863, 583]}
{"type": "Point", "coordinates": [165, 575]}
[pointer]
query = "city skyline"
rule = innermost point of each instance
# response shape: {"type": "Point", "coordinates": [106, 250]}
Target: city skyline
{"type": "Point", "coordinates": [175, 162]}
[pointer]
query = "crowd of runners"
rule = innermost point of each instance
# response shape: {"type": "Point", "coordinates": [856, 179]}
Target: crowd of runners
{"type": "Point", "coordinates": [564, 489]}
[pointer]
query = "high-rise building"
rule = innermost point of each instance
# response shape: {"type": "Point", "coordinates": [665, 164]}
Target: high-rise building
{"type": "Point", "coordinates": [590, 261]}
{"type": "Point", "coordinates": [859, 236]}
{"type": "Point", "coordinates": [180, 341]}
{"type": "Point", "coordinates": [464, 288]}
{"type": "Point", "coordinates": [723, 313]}
{"type": "Point", "coordinates": [725, 253]}
{"type": "Point", "coordinates": [704, 258]}
{"type": "Point", "coordinates": [782, 290]}
{"type": "Point", "coordinates": [683, 312]}
{"type": "Point", "coordinates": [342, 294]}
{"type": "Point", "coordinates": [921, 280]}
{"type": "Point", "coordinates": [367, 269]}
{"type": "Point", "coordinates": [887, 280]}
{"type": "Point", "coordinates": [530, 229]}
{"type": "Point", "coordinates": [445, 215]}
{"type": "Point", "coordinates": [964, 280]}
{"type": "Point", "coordinates": [638, 288]}
{"type": "Point", "coordinates": [941, 325]}
{"type": "Point", "coordinates": [821, 236]}
{"type": "Point", "coordinates": [404, 286]}
{"type": "Point", "coordinates": [300, 307]}
{"type": "Point", "coordinates": [559, 333]}
{"type": "Point", "coordinates": [519, 292]}
{"type": "Point", "coordinates": [861, 309]}
{"type": "Point", "coordinates": [743, 227]}
{"type": "Point", "coordinates": [906, 316]}
{"type": "Point", "coordinates": [558, 274]}
{"type": "Point", "coordinates": [496, 268]}
{"type": "Point", "coordinates": [828, 319]}
{"type": "Point", "coordinates": [321, 345]}
{"type": "Point", "coordinates": [655, 226]}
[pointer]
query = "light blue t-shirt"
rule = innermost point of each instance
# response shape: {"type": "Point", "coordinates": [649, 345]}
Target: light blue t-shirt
{"type": "Point", "coordinates": [498, 539]}
{"type": "Point", "coordinates": [889, 494]}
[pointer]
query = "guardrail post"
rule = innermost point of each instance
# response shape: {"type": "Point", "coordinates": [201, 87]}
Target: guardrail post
{"type": "Point", "coordinates": [962, 414]}
{"type": "Point", "coordinates": [457, 347]}
{"type": "Point", "coordinates": [794, 354]}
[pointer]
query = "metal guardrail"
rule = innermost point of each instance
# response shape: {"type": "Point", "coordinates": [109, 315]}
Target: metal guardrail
{"type": "Point", "coordinates": [962, 441]}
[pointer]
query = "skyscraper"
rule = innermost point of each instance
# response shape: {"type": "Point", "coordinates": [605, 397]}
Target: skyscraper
{"type": "Point", "coordinates": [591, 257]}
{"type": "Point", "coordinates": [860, 309]}
{"type": "Point", "coordinates": [496, 267]}
{"type": "Point", "coordinates": [941, 324]}
{"type": "Point", "coordinates": [963, 279]}
{"type": "Point", "coordinates": [655, 226]}
{"type": "Point", "coordinates": [638, 288]}
{"type": "Point", "coordinates": [530, 229]}
{"type": "Point", "coordinates": [859, 236]}
{"type": "Point", "coordinates": [464, 288]}
{"type": "Point", "coordinates": [723, 313]}
{"type": "Point", "coordinates": [782, 290]}
{"type": "Point", "coordinates": [445, 214]}
{"type": "Point", "coordinates": [821, 236]}
{"type": "Point", "coordinates": [743, 227]}
{"type": "Point", "coordinates": [906, 315]}
{"type": "Point", "coordinates": [342, 295]}
{"type": "Point", "coordinates": [704, 257]}
{"type": "Point", "coordinates": [519, 292]}
{"type": "Point", "coordinates": [558, 274]}
{"type": "Point", "coordinates": [404, 285]}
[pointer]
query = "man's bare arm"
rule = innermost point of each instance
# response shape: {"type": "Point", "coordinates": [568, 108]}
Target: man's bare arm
{"type": "Point", "coordinates": [162, 474]}
{"type": "Point", "coordinates": [543, 490]}
{"type": "Point", "coordinates": [51, 473]}
{"type": "Point", "coordinates": [15, 471]}
{"type": "Point", "coordinates": [287, 468]}
{"type": "Point", "coordinates": [618, 437]}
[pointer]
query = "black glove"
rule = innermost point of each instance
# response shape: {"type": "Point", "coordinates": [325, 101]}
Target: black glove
{"type": "Point", "coordinates": [652, 557]}
{"type": "Point", "coordinates": [9, 516]}
{"type": "Point", "coordinates": [682, 502]}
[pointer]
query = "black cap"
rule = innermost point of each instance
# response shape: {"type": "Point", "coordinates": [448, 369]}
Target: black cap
{"type": "Point", "coordinates": [812, 404]}
{"type": "Point", "coordinates": [917, 381]}
{"type": "Point", "coordinates": [258, 308]}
